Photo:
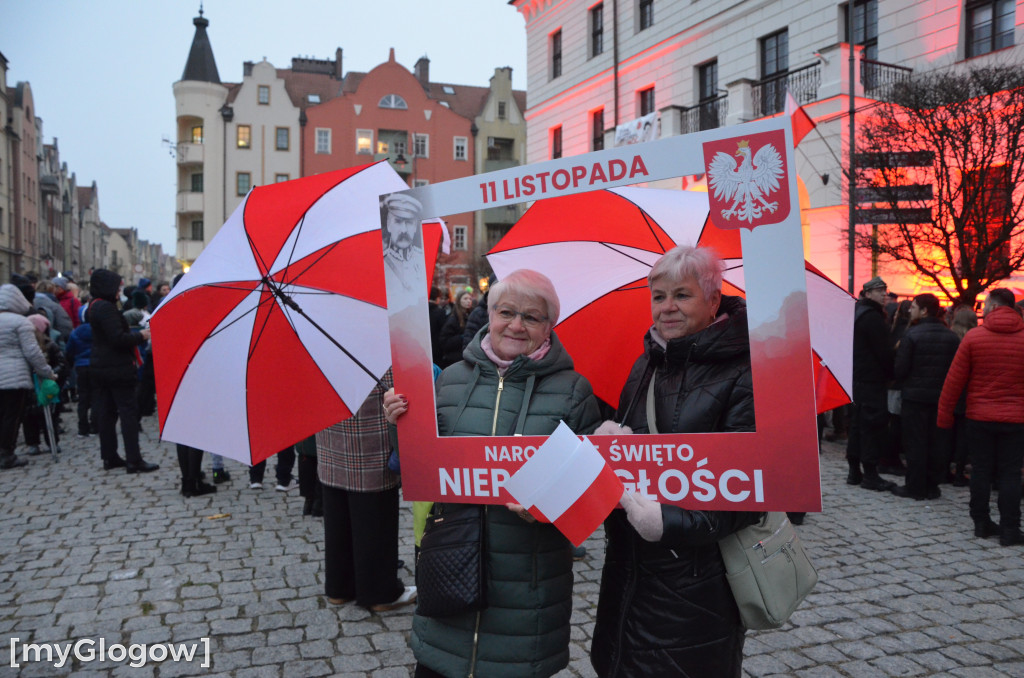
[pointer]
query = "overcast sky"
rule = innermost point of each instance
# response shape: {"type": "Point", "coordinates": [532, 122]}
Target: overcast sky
{"type": "Point", "coordinates": [101, 71]}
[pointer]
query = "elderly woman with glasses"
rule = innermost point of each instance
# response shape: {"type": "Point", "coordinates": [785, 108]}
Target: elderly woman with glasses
{"type": "Point", "coordinates": [515, 378]}
{"type": "Point", "coordinates": [665, 607]}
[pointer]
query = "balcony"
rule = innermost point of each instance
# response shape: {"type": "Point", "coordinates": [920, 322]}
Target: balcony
{"type": "Point", "coordinates": [708, 114]}
{"type": "Point", "coordinates": [769, 94]}
{"type": "Point", "coordinates": [188, 250]}
{"type": "Point", "coordinates": [878, 78]}
{"type": "Point", "coordinates": [190, 203]}
{"type": "Point", "coordinates": [190, 154]}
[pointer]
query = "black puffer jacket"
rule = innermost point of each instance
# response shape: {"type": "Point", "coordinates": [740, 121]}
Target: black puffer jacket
{"type": "Point", "coordinates": [666, 608]}
{"type": "Point", "coordinates": [113, 344]}
{"type": "Point", "coordinates": [924, 356]}
{"type": "Point", "coordinates": [872, 347]}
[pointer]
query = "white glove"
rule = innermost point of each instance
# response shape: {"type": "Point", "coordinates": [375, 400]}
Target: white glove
{"type": "Point", "coordinates": [611, 428]}
{"type": "Point", "coordinates": [644, 515]}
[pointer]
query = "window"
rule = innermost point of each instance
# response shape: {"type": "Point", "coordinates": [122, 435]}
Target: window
{"type": "Point", "coordinates": [774, 65]}
{"type": "Point", "coordinates": [263, 95]}
{"type": "Point", "coordinates": [556, 142]}
{"type": "Point", "coordinates": [458, 237]}
{"type": "Point", "coordinates": [448, 89]}
{"type": "Point", "coordinates": [197, 230]}
{"type": "Point", "coordinates": [323, 140]}
{"type": "Point", "coordinates": [282, 134]}
{"type": "Point", "coordinates": [197, 134]}
{"type": "Point", "coordinates": [313, 98]}
{"type": "Point", "coordinates": [556, 54]}
{"type": "Point", "coordinates": [646, 101]}
{"type": "Point", "coordinates": [597, 130]}
{"type": "Point", "coordinates": [243, 182]}
{"type": "Point", "coordinates": [460, 148]}
{"type": "Point", "coordinates": [278, 178]}
{"type": "Point", "coordinates": [596, 29]}
{"type": "Point", "coordinates": [244, 136]}
{"type": "Point", "coordinates": [364, 141]}
{"type": "Point", "coordinates": [416, 183]}
{"type": "Point", "coordinates": [501, 110]}
{"type": "Point", "coordinates": [197, 182]}
{"type": "Point", "coordinates": [708, 105]}
{"type": "Point", "coordinates": [646, 11]}
{"type": "Point", "coordinates": [990, 26]}
{"type": "Point", "coordinates": [393, 101]}
{"type": "Point", "coordinates": [421, 145]}
{"type": "Point", "coordinates": [865, 26]}
{"type": "Point", "coordinates": [499, 148]}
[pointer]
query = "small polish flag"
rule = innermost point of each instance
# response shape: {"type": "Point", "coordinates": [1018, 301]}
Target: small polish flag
{"type": "Point", "coordinates": [567, 482]}
{"type": "Point", "coordinates": [802, 123]}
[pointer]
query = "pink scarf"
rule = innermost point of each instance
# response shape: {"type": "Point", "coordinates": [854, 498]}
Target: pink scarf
{"type": "Point", "coordinates": [503, 365]}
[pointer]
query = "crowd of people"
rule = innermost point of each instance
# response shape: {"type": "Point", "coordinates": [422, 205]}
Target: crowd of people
{"type": "Point", "coordinates": [936, 397]}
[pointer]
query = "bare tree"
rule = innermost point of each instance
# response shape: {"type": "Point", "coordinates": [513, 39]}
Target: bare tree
{"type": "Point", "coordinates": [943, 163]}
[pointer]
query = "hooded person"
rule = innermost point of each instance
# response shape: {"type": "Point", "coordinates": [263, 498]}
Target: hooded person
{"type": "Point", "coordinates": [114, 370]}
{"type": "Point", "coordinates": [64, 290]}
{"type": "Point", "coordinates": [20, 356]}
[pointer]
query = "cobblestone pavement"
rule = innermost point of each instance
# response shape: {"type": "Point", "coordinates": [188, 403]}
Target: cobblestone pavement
{"type": "Point", "coordinates": [905, 589]}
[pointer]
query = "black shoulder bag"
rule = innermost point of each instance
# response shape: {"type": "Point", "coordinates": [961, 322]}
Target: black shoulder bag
{"type": "Point", "coordinates": [450, 577]}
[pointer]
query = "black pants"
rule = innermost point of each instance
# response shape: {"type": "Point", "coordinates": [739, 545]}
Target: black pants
{"type": "Point", "coordinates": [868, 419]}
{"type": "Point", "coordinates": [12, 407]}
{"type": "Point", "coordinates": [190, 461]}
{"type": "Point", "coordinates": [34, 425]}
{"type": "Point", "coordinates": [361, 545]}
{"type": "Point", "coordinates": [113, 400]}
{"type": "Point", "coordinates": [86, 414]}
{"type": "Point", "coordinates": [996, 448]}
{"type": "Point", "coordinates": [283, 470]}
{"type": "Point", "coordinates": [926, 447]}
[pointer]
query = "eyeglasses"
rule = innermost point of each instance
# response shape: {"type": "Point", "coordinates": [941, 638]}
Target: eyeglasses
{"type": "Point", "coordinates": [506, 314]}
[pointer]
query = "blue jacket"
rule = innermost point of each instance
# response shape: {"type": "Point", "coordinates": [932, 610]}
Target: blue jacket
{"type": "Point", "coordinates": [80, 345]}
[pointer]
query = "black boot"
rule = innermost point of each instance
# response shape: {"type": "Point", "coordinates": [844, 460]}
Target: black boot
{"type": "Point", "coordinates": [1011, 536]}
{"type": "Point", "coordinates": [985, 528]}
{"type": "Point", "coordinates": [855, 476]}
{"type": "Point", "coordinates": [10, 460]}
{"type": "Point", "coordinates": [873, 481]}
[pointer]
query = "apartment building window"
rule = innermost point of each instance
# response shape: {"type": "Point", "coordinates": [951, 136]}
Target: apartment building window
{"type": "Point", "coordinates": [364, 141]}
{"type": "Point", "coordinates": [597, 130]}
{"type": "Point", "coordinates": [421, 145]}
{"type": "Point", "coordinates": [282, 134]}
{"type": "Point", "coordinates": [865, 26]}
{"type": "Point", "coordinates": [460, 147]}
{"type": "Point", "coordinates": [556, 54]}
{"type": "Point", "coordinates": [243, 182]}
{"type": "Point", "coordinates": [197, 230]}
{"type": "Point", "coordinates": [323, 140]}
{"type": "Point", "coordinates": [646, 101]}
{"type": "Point", "coordinates": [596, 29]}
{"type": "Point", "coordinates": [556, 142]}
{"type": "Point", "coordinates": [646, 11]}
{"type": "Point", "coordinates": [502, 107]}
{"type": "Point", "coordinates": [197, 134]}
{"type": "Point", "coordinates": [499, 148]}
{"type": "Point", "coordinates": [393, 101]}
{"type": "Point", "coordinates": [990, 26]}
{"type": "Point", "coordinates": [263, 95]}
{"type": "Point", "coordinates": [707, 78]}
{"type": "Point", "coordinates": [197, 182]}
{"type": "Point", "coordinates": [243, 136]}
{"type": "Point", "coordinates": [459, 237]}
{"type": "Point", "coordinates": [774, 66]}
{"type": "Point", "coordinates": [278, 178]}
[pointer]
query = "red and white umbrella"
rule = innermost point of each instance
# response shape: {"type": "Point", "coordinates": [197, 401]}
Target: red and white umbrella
{"type": "Point", "coordinates": [598, 247]}
{"type": "Point", "coordinates": [279, 329]}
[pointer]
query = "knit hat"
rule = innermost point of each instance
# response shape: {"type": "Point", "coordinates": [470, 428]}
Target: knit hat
{"type": "Point", "coordinates": [144, 283]}
{"type": "Point", "coordinates": [60, 282]}
{"type": "Point", "coordinates": [133, 317]}
{"type": "Point", "coordinates": [40, 321]}
{"type": "Point", "coordinates": [874, 284]}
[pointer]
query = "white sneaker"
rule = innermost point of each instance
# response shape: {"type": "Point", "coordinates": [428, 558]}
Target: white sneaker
{"type": "Point", "coordinates": [255, 486]}
{"type": "Point", "coordinates": [407, 598]}
{"type": "Point", "coordinates": [284, 488]}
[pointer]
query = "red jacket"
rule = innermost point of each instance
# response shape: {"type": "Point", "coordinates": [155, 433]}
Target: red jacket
{"type": "Point", "coordinates": [70, 303]}
{"type": "Point", "coordinates": [990, 364]}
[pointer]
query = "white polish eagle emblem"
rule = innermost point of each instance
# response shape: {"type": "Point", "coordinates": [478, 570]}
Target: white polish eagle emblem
{"type": "Point", "coordinates": [748, 186]}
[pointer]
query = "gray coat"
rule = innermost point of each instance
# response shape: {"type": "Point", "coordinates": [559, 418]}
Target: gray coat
{"type": "Point", "coordinates": [524, 632]}
{"type": "Point", "coordinates": [20, 354]}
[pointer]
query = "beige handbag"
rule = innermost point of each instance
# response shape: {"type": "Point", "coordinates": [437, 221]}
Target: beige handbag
{"type": "Point", "coordinates": [768, 571]}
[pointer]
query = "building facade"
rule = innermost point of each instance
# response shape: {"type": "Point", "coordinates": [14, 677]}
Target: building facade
{"type": "Point", "coordinates": [697, 65]}
{"type": "Point", "coordinates": [7, 190]}
{"type": "Point", "coordinates": [279, 124]}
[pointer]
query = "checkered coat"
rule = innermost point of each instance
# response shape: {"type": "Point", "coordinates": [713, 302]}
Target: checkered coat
{"type": "Point", "coordinates": [353, 454]}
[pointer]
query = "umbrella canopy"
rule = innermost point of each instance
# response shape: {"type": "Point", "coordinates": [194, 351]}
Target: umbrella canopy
{"type": "Point", "coordinates": [279, 329]}
{"type": "Point", "coordinates": [598, 247]}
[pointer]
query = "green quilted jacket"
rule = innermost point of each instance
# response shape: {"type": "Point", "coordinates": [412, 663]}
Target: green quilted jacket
{"type": "Point", "coordinates": [524, 631]}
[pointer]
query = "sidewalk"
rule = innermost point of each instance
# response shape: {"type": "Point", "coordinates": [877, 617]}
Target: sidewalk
{"type": "Point", "coordinates": [905, 589]}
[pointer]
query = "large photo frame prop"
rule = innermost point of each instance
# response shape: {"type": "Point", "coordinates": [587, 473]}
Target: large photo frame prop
{"type": "Point", "coordinates": [774, 468]}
